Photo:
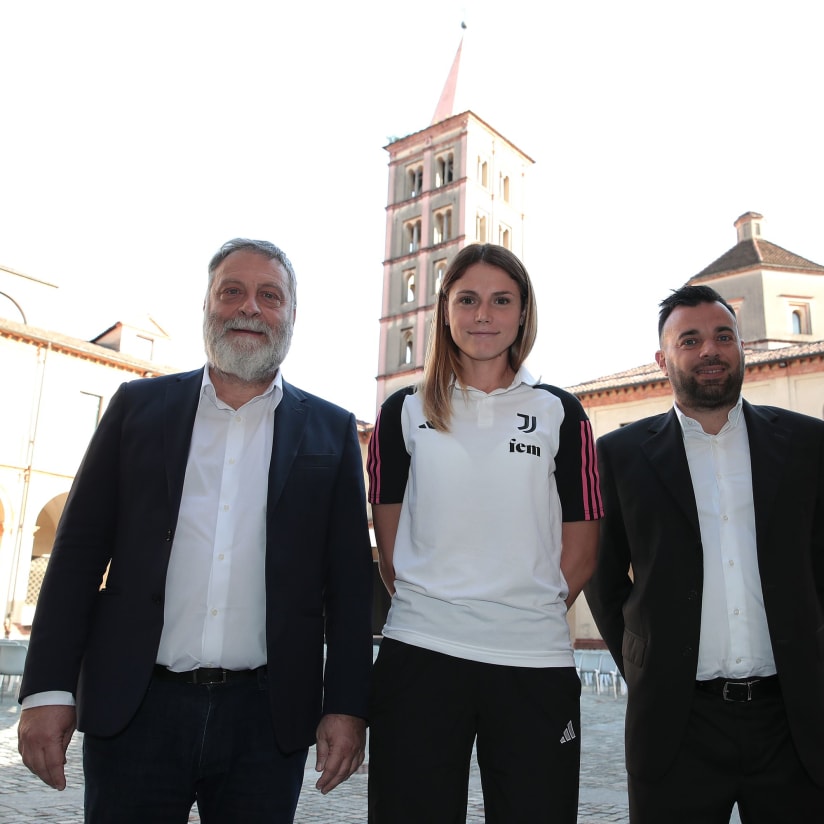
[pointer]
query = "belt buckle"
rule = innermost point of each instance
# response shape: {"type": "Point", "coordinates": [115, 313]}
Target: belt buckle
{"type": "Point", "coordinates": [738, 691]}
{"type": "Point", "coordinates": [209, 679]}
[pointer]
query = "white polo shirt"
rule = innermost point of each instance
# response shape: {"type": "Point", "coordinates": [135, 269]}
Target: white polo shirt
{"type": "Point", "coordinates": [478, 550]}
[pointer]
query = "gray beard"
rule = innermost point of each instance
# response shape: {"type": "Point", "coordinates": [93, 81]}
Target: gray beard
{"type": "Point", "coordinates": [248, 361]}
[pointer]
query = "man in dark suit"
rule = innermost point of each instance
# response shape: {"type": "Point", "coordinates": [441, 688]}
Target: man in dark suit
{"type": "Point", "coordinates": [224, 510]}
{"type": "Point", "coordinates": [709, 589]}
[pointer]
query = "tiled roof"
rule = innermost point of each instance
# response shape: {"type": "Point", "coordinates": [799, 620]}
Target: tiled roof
{"type": "Point", "coordinates": [757, 253]}
{"type": "Point", "coordinates": [82, 348]}
{"type": "Point", "coordinates": [651, 373]}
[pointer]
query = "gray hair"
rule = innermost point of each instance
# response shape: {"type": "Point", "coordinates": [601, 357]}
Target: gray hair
{"type": "Point", "coordinates": [258, 247]}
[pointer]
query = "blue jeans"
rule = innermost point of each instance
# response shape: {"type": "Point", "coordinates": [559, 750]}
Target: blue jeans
{"type": "Point", "coordinates": [210, 744]}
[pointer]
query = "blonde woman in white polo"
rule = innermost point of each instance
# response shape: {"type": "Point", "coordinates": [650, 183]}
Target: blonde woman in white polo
{"type": "Point", "coordinates": [485, 498]}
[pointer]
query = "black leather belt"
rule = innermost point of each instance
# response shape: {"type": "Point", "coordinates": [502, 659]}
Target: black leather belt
{"type": "Point", "coordinates": [741, 689]}
{"type": "Point", "coordinates": [205, 675]}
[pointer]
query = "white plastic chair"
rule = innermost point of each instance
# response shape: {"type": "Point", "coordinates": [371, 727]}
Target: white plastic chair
{"type": "Point", "coordinates": [608, 671]}
{"type": "Point", "coordinates": [589, 669]}
{"type": "Point", "coordinates": [12, 660]}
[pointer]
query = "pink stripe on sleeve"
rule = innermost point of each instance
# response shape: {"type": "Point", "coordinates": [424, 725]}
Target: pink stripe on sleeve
{"type": "Point", "coordinates": [590, 482]}
{"type": "Point", "coordinates": [373, 464]}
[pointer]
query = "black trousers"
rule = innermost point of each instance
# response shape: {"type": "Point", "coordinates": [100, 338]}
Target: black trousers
{"type": "Point", "coordinates": [731, 753]}
{"type": "Point", "coordinates": [429, 709]}
{"type": "Point", "coordinates": [188, 743]}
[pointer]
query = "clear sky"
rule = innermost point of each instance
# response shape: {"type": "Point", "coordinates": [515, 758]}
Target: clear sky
{"type": "Point", "coordinates": [136, 138]}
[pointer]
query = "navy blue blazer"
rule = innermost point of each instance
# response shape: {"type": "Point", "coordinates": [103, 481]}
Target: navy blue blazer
{"type": "Point", "coordinates": [121, 513]}
{"type": "Point", "coordinates": [651, 618]}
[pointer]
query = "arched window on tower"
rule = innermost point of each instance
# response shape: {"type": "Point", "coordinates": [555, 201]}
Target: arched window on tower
{"type": "Point", "coordinates": [504, 188]}
{"type": "Point", "coordinates": [442, 226]}
{"type": "Point", "coordinates": [437, 280]}
{"type": "Point", "coordinates": [444, 169]}
{"type": "Point", "coordinates": [412, 235]}
{"type": "Point", "coordinates": [480, 227]}
{"type": "Point", "coordinates": [483, 172]}
{"type": "Point", "coordinates": [407, 347]}
{"type": "Point", "coordinates": [414, 181]}
{"type": "Point", "coordinates": [409, 286]}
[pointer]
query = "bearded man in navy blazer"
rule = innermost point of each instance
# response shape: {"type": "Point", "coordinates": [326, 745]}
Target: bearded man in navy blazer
{"type": "Point", "coordinates": [709, 589]}
{"type": "Point", "coordinates": [225, 511]}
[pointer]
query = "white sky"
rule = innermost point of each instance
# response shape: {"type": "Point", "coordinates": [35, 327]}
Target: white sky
{"type": "Point", "coordinates": [136, 138]}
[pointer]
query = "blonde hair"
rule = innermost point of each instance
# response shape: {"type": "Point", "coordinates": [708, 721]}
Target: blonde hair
{"type": "Point", "coordinates": [442, 365]}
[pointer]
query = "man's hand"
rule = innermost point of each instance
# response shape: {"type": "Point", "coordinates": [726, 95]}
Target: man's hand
{"type": "Point", "coordinates": [43, 736]}
{"type": "Point", "coordinates": [341, 749]}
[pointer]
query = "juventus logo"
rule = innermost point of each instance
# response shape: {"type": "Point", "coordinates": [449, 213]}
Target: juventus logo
{"type": "Point", "coordinates": [529, 422]}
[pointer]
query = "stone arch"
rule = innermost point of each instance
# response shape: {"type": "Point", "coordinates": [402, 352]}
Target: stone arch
{"type": "Point", "coordinates": [45, 530]}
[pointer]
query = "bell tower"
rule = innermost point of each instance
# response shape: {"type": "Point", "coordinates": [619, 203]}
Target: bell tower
{"type": "Point", "coordinates": [456, 182]}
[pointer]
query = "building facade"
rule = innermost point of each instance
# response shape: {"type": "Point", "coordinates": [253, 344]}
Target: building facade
{"type": "Point", "coordinates": [55, 390]}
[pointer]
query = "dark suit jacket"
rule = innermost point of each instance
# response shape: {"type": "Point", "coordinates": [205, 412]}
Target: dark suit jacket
{"type": "Point", "coordinates": [651, 621]}
{"type": "Point", "coordinates": [122, 510]}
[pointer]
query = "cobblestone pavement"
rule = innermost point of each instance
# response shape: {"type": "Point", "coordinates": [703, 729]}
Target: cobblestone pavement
{"type": "Point", "coordinates": [24, 799]}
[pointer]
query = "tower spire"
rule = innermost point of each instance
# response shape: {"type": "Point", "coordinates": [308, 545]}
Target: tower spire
{"type": "Point", "coordinates": [446, 104]}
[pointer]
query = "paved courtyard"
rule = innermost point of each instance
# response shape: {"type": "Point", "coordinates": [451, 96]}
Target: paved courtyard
{"type": "Point", "coordinates": [25, 800]}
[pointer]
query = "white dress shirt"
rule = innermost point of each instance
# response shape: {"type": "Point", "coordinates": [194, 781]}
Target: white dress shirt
{"type": "Point", "coordinates": [215, 608]}
{"type": "Point", "coordinates": [735, 641]}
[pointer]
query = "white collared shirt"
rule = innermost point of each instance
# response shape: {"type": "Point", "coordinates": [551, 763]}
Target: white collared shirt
{"type": "Point", "coordinates": [477, 554]}
{"type": "Point", "coordinates": [735, 641]}
{"type": "Point", "coordinates": [215, 607]}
